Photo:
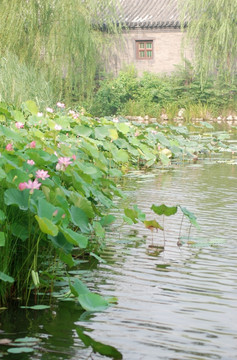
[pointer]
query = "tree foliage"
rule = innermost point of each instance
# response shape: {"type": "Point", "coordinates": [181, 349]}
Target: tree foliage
{"type": "Point", "coordinates": [212, 31]}
{"type": "Point", "coordinates": [59, 38]}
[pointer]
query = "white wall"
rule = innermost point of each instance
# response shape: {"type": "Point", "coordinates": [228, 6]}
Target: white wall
{"type": "Point", "coordinates": [167, 47]}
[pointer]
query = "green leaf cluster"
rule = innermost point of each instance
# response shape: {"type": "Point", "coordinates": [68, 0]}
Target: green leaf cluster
{"type": "Point", "coordinates": [66, 215]}
{"type": "Point", "coordinates": [154, 95]}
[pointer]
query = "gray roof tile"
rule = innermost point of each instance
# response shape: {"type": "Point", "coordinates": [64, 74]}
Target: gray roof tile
{"type": "Point", "coordinates": [149, 13]}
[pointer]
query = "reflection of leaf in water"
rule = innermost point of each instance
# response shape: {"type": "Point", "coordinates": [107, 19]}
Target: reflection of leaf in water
{"type": "Point", "coordinates": [98, 347]}
{"type": "Point", "coordinates": [162, 266]}
{"type": "Point", "coordinates": [36, 307]}
{"type": "Point", "coordinates": [27, 339]}
{"type": "Point", "coordinates": [5, 341]}
{"type": "Point", "coordinates": [20, 350]}
{"type": "Point", "coordinates": [202, 242]}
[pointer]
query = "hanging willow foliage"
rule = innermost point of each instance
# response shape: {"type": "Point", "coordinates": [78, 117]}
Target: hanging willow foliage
{"type": "Point", "coordinates": [61, 39]}
{"type": "Point", "coordinates": [212, 32]}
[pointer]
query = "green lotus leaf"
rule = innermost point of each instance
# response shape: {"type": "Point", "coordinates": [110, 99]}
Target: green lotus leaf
{"type": "Point", "coordinates": [75, 238]}
{"type": "Point", "coordinates": [80, 219]}
{"type": "Point", "coordinates": [192, 218]}
{"type": "Point", "coordinates": [78, 287]}
{"type": "Point", "coordinates": [2, 217]}
{"type": "Point", "coordinates": [152, 224]}
{"type": "Point", "coordinates": [6, 278]}
{"type": "Point", "coordinates": [17, 197]}
{"type": "Point", "coordinates": [164, 210]}
{"type": "Point", "coordinates": [98, 347]}
{"type": "Point", "coordinates": [92, 302]}
{"type": "Point", "coordinates": [47, 226]}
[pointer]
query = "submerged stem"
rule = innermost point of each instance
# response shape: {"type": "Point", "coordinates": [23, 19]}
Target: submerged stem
{"type": "Point", "coordinates": [180, 229]}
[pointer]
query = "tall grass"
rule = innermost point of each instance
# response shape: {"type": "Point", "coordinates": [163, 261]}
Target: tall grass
{"type": "Point", "coordinates": [142, 108]}
{"type": "Point", "coordinates": [20, 82]}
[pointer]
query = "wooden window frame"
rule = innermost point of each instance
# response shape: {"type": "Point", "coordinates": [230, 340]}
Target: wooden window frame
{"type": "Point", "coordinates": [139, 50]}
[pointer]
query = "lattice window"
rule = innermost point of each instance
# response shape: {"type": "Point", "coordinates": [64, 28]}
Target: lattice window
{"type": "Point", "coordinates": [144, 49]}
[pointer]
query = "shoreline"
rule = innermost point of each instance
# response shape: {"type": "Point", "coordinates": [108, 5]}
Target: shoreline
{"type": "Point", "coordinates": [229, 120]}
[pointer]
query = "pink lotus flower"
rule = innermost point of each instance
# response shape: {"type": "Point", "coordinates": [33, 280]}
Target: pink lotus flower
{"type": "Point", "coordinates": [63, 163]}
{"type": "Point", "coordinates": [22, 186]}
{"type": "Point", "coordinates": [49, 110]}
{"type": "Point", "coordinates": [9, 147]}
{"type": "Point", "coordinates": [32, 144]}
{"type": "Point", "coordinates": [74, 157]}
{"type": "Point", "coordinates": [55, 213]}
{"type": "Point", "coordinates": [58, 127]}
{"type": "Point", "coordinates": [75, 116]}
{"type": "Point", "coordinates": [42, 174]}
{"type": "Point", "coordinates": [19, 125]}
{"type": "Point", "coordinates": [30, 162]}
{"type": "Point", "coordinates": [32, 185]}
{"type": "Point", "coordinates": [60, 105]}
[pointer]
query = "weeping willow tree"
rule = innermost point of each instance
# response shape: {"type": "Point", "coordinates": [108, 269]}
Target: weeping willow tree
{"type": "Point", "coordinates": [60, 39]}
{"type": "Point", "coordinates": [212, 33]}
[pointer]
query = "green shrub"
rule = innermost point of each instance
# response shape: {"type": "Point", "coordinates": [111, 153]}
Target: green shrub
{"type": "Point", "coordinates": [113, 94]}
{"type": "Point", "coordinates": [152, 93]}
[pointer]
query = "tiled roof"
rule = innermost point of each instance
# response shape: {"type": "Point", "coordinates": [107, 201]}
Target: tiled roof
{"type": "Point", "coordinates": [149, 13]}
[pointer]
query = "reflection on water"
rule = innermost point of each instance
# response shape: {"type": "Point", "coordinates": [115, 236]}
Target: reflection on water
{"type": "Point", "coordinates": [179, 303]}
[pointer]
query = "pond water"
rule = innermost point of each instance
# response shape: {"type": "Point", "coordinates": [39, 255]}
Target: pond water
{"type": "Point", "coordinates": [174, 303]}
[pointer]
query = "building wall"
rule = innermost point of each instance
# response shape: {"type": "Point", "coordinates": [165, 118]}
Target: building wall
{"type": "Point", "coordinates": [167, 48]}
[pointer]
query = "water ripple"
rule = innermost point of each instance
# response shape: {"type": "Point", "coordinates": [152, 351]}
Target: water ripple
{"type": "Point", "coordinates": [179, 303]}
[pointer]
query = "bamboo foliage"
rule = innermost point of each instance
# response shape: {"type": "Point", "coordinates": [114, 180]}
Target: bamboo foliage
{"type": "Point", "coordinates": [59, 38]}
{"type": "Point", "coordinates": [212, 32]}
